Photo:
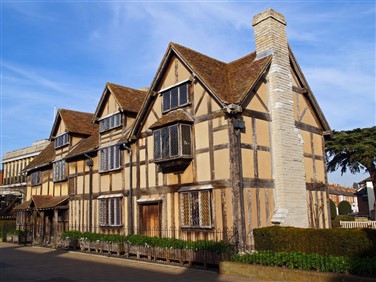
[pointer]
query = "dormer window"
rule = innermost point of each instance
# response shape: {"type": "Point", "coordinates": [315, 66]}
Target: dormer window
{"type": "Point", "coordinates": [175, 97]}
{"type": "Point", "coordinates": [61, 140]}
{"type": "Point", "coordinates": [110, 122]}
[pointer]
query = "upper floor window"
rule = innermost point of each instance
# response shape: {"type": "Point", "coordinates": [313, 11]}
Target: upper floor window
{"type": "Point", "coordinates": [172, 141]}
{"type": "Point", "coordinates": [110, 122]}
{"type": "Point", "coordinates": [59, 170]}
{"type": "Point", "coordinates": [109, 158]}
{"type": "Point", "coordinates": [175, 97]}
{"type": "Point", "coordinates": [36, 178]}
{"type": "Point", "coordinates": [195, 209]}
{"type": "Point", "coordinates": [61, 140]}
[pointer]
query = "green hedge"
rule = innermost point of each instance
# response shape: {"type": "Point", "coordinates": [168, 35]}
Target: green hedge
{"type": "Point", "coordinates": [303, 261]}
{"type": "Point", "coordinates": [344, 208]}
{"type": "Point", "coordinates": [140, 240]}
{"type": "Point", "coordinates": [335, 242]}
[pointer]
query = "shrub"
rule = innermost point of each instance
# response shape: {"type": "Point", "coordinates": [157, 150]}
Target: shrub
{"type": "Point", "coordinates": [333, 209]}
{"type": "Point", "coordinates": [71, 234]}
{"type": "Point", "coordinates": [336, 222]}
{"type": "Point", "coordinates": [304, 261]}
{"type": "Point", "coordinates": [344, 208]}
{"type": "Point", "coordinates": [335, 242]}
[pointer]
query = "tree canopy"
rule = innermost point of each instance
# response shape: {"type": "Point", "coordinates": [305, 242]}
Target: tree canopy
{"type": "Point", "coordinates": [353, 150]}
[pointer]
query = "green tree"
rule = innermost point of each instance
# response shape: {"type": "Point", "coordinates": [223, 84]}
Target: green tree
{"type": "Point", "coordinates": [344, 208]}
{"type": "Point", "coordinates": [353, 150]}
{"type": "Point", "coordinates": [333, 209]}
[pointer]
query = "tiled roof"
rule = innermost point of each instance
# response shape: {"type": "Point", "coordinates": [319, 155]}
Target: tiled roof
{"type": "Point", "coordinates": [78, 122]}
{"type": "Point", "coordinates": [335, 189]}
{"type": "Point", "coordinates": [41, 202]}
{"type": "Point", "coordinates": [230, 82]}
{"type": "Point", "coordinates": [85, 146]}
{"type": "Point", "coordinates": [171, 117]}
{"type": "Point", "coordinates": [44, 158]}
{"type": "Point", "coordinates": [129, 99]}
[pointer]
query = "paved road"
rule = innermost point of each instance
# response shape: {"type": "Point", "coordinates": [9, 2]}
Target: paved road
{"type": "Point", "coordinates": [26, 263]}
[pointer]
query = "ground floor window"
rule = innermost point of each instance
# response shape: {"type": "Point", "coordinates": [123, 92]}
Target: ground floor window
{"type": "Point", "coordinates": [196, 209]}
{"type": "Point", "coordinates": [110, 211]}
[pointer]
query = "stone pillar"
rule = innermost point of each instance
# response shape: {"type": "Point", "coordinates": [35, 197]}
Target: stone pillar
{"type": "Point", "coordinates": [286, 141]}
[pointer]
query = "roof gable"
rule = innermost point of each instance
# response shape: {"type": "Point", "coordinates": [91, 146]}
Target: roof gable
{"type": "Point", "coordinates": [309, 94]}
{"type": "Point", "coordinates": [75, 122]}
{"type": "Point", "coordinates": [128, 99]}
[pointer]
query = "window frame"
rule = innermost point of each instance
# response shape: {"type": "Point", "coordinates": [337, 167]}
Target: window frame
{"type": "Point", "coordinates": [61, 140]}
{"type": "Point", "coordinates": [59, 170]}
{"type": "Point", "coordinates": [110, 122]}
{"type": "Point", "coordinates": [163, 143]}
{"type": "Point", "coordinates": [36, 178]}
{"type": "Point", "coordinates": [110, 211]}
{"type": "Point", "coordinates": [167, 94]}
{"type": "Point", "coordinates": [195, 221]}
{"type": "Point", "coordinates": [108, 160]}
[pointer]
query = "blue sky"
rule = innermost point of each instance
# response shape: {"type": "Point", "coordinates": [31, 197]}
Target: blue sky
{"type": "Point", "coordinates": [61, 53]}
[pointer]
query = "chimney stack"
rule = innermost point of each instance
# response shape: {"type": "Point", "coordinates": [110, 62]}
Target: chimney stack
{"type": "Point", "coordinates": [286, 142]}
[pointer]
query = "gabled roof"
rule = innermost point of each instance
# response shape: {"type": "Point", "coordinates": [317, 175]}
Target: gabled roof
{"type": "Point", "coordinates": [75, 122]}
{"type": "Point", "coordinates": [44, 158]}
{"type": "Point", "coordinates": [230, 82]}
{"type": "Point", "coordinates": [85, 146]}
{"type": "Point", "coordinates": [128, 99]}
{"type": "Point", "coordinates": [227, 82]}
{"type": "Point", "coordinates": [335, 189]}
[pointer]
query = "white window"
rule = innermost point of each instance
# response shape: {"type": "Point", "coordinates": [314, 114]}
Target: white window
{"type": "Point", "coordinates": [109, 158]}
{"type": "Point", "coordinates": [110, 210]}
{"type": "Point", "coordinates": [36, 178]}
{"type": "Point", "coordinates": [59, 170]}
{"type": "Point", "coordinates": [172, 141]}
{"type": "Point", "coordinates": [175, 97]}
{"type": "Point", "coordinates": [61, 140]}
{"type": "Point", "coordinates": [195, 209]}
{"type": "Point", "coordinates": [110, 122]}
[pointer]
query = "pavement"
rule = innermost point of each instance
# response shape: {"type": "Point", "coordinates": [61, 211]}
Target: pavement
{"type": "Point", "coordinates": [31, 263]}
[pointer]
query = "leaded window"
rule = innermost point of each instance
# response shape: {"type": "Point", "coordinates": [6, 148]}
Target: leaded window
{"type": "Point", "coordinates": [175, 97]}
{"type": "Point", "coordinates": [172, 141]}
{"type": "Point", "coordinates": [59, 170]}
{"type": "Point", "coordinates": [110, 122]}
{"type": "Point", "coordinates": [109, 158]}
{"type": "Point", "coordinates": [110, 211]}
{"type": "Point", "coordinates": [61, 140]}
{"type": "Point", "coordinates": [195, 209]}
{"type": "Point", "coordinates": [36, 178]}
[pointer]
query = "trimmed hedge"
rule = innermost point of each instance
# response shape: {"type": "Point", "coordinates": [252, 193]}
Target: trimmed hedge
{"type": "Point", "coordinates": [335, 242]}
{"type": "Point", "coordinates": [141, 240]}
{"type": "Point", "coordinates": [309, 262]}
{"type": "Point", "coordinates": [333, 209]}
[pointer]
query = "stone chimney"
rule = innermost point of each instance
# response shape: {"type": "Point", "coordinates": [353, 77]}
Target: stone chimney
{"type": "Point", "coordinates": [286, 141]}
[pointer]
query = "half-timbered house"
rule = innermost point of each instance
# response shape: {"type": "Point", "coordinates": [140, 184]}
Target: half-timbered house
{"type": "Point", "coordinates": [45, 211]}
{"type": "Point", "coordinates": [211, 150]}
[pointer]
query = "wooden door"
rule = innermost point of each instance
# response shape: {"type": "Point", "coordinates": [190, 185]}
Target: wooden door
{"type": "Point", "coordinates": [150, 219]}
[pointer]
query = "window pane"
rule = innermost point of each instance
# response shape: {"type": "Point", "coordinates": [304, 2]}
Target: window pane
{"type": "Point", "coordinates": [157, 145]}
{"type": "Point", "coordinates": [174, 141]}
{"type": "Point", "coordinates": [116, 157]}
{"type": "Point", "coordinates": [166, 101]}
{"type": "Point", "coordinates": [185, 209]}
{"type": "Point", "coordinates": [165, 143]}
{"type": "Point", "coordinates": [183, 94]}
{"type": "Point", "coordinates": [195, 209]}
{"type": "Point", "coordinates": [205, 208]}
{"type": "Point", "coordinates": [174, 98]}
{"type": "Point", "coordinates": [186, 140]}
